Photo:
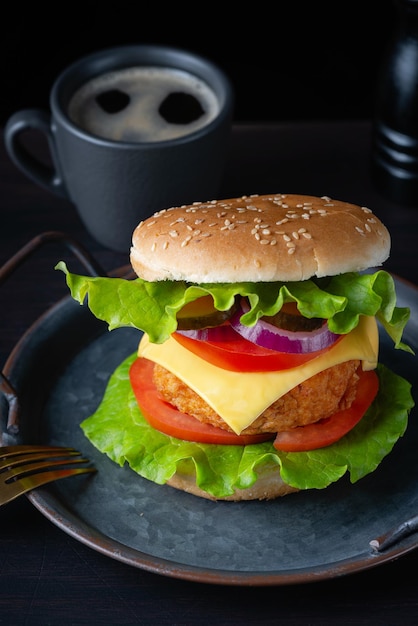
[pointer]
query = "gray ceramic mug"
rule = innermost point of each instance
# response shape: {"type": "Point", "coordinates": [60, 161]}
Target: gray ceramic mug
{"type": "Point", "coordinates": [116, 180]}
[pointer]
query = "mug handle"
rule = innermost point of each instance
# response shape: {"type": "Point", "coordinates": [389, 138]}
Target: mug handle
{"type": "Point", "coordinates": [34, 119]}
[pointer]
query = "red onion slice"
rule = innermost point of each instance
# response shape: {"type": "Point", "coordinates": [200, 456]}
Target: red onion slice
{"type": "Point", "coordinates": [212, 333]}
{"type": "Point", "coordinates": [268, 336]}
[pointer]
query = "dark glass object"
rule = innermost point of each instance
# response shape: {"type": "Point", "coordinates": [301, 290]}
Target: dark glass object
{"type": "Point", "coordinates": [395, 128]}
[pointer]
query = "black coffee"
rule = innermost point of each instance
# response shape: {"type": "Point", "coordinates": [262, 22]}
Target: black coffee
{"type": "Point", "coordinates": [181, 108]}
{"type": "Point", "coordinates": [142, 104]}
{"type": "Point", "coordinates": [113, 100]}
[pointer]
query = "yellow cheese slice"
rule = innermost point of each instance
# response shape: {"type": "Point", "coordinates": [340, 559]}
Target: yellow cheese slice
{"type": "Point", "coordinates": [240, 397]}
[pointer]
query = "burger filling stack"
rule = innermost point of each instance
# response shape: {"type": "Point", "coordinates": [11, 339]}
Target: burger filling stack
{"type": "Point", "coordinates": [257, 372]}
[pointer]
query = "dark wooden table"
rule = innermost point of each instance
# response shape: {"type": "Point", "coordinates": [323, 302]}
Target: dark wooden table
{"type": "Point", "coordinates": [50, 578]}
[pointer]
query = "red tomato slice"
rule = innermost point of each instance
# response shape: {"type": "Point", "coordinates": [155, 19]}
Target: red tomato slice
{"type": "Point", "coordinates": [167, 419]}
{"type": "Point", "coordinates": [240, 355]}
{"type": "Point", "coordinates": [331, 429]}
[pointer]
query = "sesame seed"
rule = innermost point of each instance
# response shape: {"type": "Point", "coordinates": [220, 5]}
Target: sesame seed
{"type": "Point", "coordinates": [291, 250]}
{"type": "Point", "coordinates": [286, 237]}
{"type": "Point", "coordinates": [165, 245]}
{"type": "Point", "coordinates": [173, 233]}
{"type": "Point", "coordinates": [307, 235]}
{"type": "Point", "coordinates": [185, 241]}
{"type": "Point", "coordinates": [264, 242]}
{"type": "Point", "coordinates": [154, 245]}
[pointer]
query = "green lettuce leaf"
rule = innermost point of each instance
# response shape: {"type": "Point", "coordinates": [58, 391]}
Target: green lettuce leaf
{"type": "Point", "coordinates": [152, 306]}
{"type": "Point", "coordinates": [119, 430]}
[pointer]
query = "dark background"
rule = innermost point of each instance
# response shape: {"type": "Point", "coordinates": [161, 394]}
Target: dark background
{"type": "Point", "coordinates": [287, 60]}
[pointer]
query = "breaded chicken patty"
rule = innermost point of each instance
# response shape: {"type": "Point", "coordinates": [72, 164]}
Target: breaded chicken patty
{"type": "Point", "coordinates": [321, 396]}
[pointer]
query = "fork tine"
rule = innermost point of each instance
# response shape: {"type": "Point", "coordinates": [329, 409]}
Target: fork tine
{"type": "Point", "coordinates": [18, 487]}
{"type": "Point", "coordinates": [26, 467]}
{"type": "Point", "coordinates": [10, 451]}
{"type": "Point", "coordinates": [42, 465]}
{"type": "Point", "coordinates": [23, 458]}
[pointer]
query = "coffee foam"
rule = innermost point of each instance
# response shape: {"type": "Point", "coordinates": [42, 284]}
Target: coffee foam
{"type": "Point", "coordinates": [140, 120]}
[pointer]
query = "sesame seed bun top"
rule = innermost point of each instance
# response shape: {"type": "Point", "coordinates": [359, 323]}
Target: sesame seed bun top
{"type": "Point", "coordinates": [276, 237]}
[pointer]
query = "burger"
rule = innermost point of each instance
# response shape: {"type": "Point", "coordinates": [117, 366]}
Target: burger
{"type": "Point", "coordinates": [257, 370]}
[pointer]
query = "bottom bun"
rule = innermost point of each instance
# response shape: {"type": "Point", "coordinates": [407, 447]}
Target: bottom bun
{"type": "Point", "coordinates": [268, 486]}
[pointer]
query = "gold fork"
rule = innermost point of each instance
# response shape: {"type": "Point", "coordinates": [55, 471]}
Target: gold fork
{"type": "Point", "coordinates": [25, 467]}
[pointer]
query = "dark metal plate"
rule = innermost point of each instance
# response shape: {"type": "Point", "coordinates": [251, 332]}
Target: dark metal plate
{"type": "Point", "coordinates": [60, 369]}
